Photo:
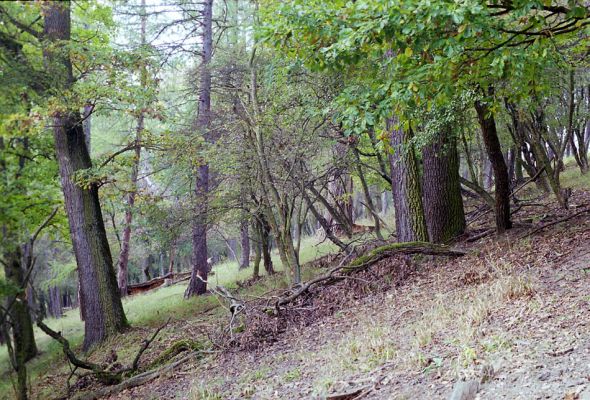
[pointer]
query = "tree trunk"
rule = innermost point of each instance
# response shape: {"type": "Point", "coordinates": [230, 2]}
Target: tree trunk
{"type": "Point", "coordinates": [172, 258]}
{"type": "Point", "coordinates": [265, 244]}
{"type": "Point", "coordinates": [245, 244]}
{"type": "Point", "coordinates": [410, 222]}
{"type": "Point", "coordinates": [327, 227]}
{"type": "Point", "coordinates": [441, 188]}
{"type": "Point", "coordinates": [123, 262]}
{"type": "Point", "coordinates": [19, 315]}
{"type": "Point", "coordinates": [340, 190]}
{"type": "Point", "coordinates": [102, 303]}
{"type": "Point", "coordinates": [367, 193]}
{"type": "Point", "coordinates": [257, 248]}
{"type": "Point", "coordinates": [145, 268]}
{"type": "Point", "coordinates": [494, 151]}
{"type": "Point", "coordinates": [198, 282]}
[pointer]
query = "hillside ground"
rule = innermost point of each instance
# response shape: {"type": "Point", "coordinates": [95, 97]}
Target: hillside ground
{"type": "Point", "coordinates": [513, 314]}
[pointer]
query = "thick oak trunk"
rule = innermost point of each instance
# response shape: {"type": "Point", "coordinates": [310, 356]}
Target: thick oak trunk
{"type": "Point", "coordinates": [441, 189]}
{"type": "Point", "coordinates": [103, 310]}
{"type": "Point", "coordinates": [410, 223]}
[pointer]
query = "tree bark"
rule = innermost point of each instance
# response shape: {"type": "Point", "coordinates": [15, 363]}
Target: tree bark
{"type": "Point", "coordinates": [20, 320]}
{"type": "Point", "coordinates": [245, 245]}
{"type": "Point", "coordinates": [441, 189]}
{"type": "Point", "coordinates": [102, 302]}
{"type": "Point", "coordinates": [198, 282]}
{"type": "Point", "coordinates": [145, 268]}
{"type": "Point", "coordinates": [340, 189]}
{"type": "Point", "coordinates": [123, 262]}
{"type": "Point", "coordinates": [494, 152]}
{"type": "Point", "coordinates": [369, 201]}
{"type": "Point", "coordinates": [410, 222]}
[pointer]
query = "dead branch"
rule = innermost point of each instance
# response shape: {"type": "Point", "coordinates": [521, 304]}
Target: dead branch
{"type": "Point", "coordinates": [557, 221]}
{"type": "Point", "coordinates": [137, 380]}
{"type": "Point", "coordinates": [363, 262]}
{"type": "Point", "coordinates": [481, 235]}
{"type": "Point", "coordinates": [236, 306]}
{"type": "Point", "coordinates": [102, 374]}
{"type": "Point", "coordinates": [532, 179]}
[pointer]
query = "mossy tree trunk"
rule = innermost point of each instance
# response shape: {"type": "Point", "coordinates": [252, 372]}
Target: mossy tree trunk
{"type": "Point", "coordinates": [103, 310]}
{"type": "Point", "coordinates": [410, 222]}
{"type": "Point", "coordinates": [441, 188]}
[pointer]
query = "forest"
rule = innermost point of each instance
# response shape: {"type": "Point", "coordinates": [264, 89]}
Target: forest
{"type": "Point", "coordinates": [305, 199]}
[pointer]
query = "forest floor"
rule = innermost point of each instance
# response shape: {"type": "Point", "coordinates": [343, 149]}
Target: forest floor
{"type": "Point", "coordinates": [512, 317]}
{"type": "Point", "coordinates": [514, 314]}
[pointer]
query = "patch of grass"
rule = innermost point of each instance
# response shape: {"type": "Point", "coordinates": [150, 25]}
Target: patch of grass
{"type": "Point", "coordinates": [151, 309]}
{"type": "Point", "coordinates": [200, 392]}
{"type": "Point", "coordinates": [572, 177]}
{"type": "Point", "coordinates": [292, 375]}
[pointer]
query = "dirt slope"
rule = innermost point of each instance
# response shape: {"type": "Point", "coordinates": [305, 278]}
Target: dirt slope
{"type": "Point", "coordinates": [513, 313]}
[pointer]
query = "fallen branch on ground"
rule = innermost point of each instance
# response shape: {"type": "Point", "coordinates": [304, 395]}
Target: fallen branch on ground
{"type": "Point", "coordinates": [137, 380]}
{"type": "Point", "coordinates": [363, 262]}
{"type": "Point", "coordinates": [102, 374]}
{"type": "Point", "coordinates": [557, 221]}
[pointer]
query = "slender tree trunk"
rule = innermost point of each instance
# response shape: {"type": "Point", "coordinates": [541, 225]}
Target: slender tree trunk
{"type": "Point", "coordinates": [327, 227]}
{"type": "Point", "coordinates": [367, 193]}
{"type": "Point", "coordinates": [281, 220]}
{"type": "Point", "coordinates": [172, 258]}
{"type": "Point", "coordinates": [123, 262]}
{"type": "Point", "coordinates": [265, 245]}
{"type": "Point", "coordinates": [198, 282]}
{"type": "Point", "coordinates": [245, 245]}
{"type": "Point", "coordinates": [441, 188]}
{"type": "Point", "coordinates": [340, 189]}
{"type": "Point", "coordinates": [256, 227]}
{"type": "Point", "coordinates": [145, 268]}
{"type": "Point", "coordinates": [494, 150]}
{"type": "Point", "coordinates": [102, 303]}
{"type": "Point", "coordinates": [410, 222]}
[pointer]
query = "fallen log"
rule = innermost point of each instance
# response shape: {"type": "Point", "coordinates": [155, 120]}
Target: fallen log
{"type": "Point", "coordinates": [156, 282]}
{"type": "Point", "coordinates": [365, 261]}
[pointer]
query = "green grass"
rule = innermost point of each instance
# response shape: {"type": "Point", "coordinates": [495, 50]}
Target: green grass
{"type": "Point", "coordinates": [572, 177]}
{"type": "Point", "coordinates": [154, 307]}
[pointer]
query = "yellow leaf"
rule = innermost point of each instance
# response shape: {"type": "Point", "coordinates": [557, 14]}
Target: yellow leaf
{"type": "Point", "coordinates": [409, 52]}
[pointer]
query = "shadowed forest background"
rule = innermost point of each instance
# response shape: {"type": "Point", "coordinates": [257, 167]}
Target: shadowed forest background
{"type": "Point", "coordinates": [306, 199]}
